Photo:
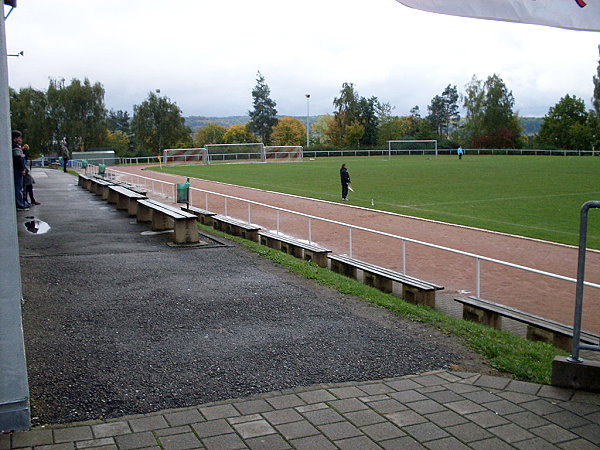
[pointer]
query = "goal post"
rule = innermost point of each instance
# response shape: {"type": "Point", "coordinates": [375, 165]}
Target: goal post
{"type": "Point", "coordinates": [253, 151]}
{"type": "Point", "coordinates": [412, 147]}
{"type": "Point", "coordinates": [185, 155]}
{"type": "Point", "coordinates": [284, 153]}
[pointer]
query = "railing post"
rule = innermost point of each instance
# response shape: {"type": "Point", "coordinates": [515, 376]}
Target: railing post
{"type": "Point", "coordinates": [225, 206]}
{"type": "Point", "coordinates": [404, 256]}
{"type": "Point", "coordinates": [350, 241]}
{"type": "Point", "coordinates": [249, 214]}
{"type": "Point", "coordinates": [206, 201]}
{"type": "Point", "coordinates": [277, 221]}
{"type": "Point", "coordinates": [478, 277]}
{"type": "Point", "coordinates": [309, 230]}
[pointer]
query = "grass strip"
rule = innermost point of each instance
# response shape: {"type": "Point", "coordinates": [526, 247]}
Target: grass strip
{"type": "Point", "coordinates": [525, 360]}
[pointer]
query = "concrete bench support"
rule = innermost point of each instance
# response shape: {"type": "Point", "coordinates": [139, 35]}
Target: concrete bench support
{"type": "Point", "coordinates": [295, 247]}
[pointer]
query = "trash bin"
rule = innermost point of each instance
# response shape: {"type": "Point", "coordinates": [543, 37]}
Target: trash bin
{"type": "Point", "coordinates": [183, 192]}
{"type": "Point", "coordinates": [84, 164]}
{"type": "Point", "coordinates": [101, 169]}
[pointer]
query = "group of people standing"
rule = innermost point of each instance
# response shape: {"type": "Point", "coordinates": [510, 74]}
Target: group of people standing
{"type": "Point", "coordinates": [22, 176]}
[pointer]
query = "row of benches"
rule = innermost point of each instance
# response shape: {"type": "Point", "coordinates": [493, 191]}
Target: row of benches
{"type": "Point", "coordinates": [136, 203]}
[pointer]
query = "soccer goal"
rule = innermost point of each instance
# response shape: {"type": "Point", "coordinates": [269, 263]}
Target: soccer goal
{"type": "Point", "coordinates": [413, 147]}
{"type": "Point", "coordinates": [283, 153]}
{"type": "Point", "coordinates": [231, 153]}
{"type": "Point", "coordinates": [185, 156]}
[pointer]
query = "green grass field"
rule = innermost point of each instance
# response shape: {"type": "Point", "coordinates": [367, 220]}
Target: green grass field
{"type": "Point", "coordinates": [535, 196]}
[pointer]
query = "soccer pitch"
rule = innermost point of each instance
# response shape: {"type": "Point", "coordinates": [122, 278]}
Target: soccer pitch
{"type": "Point", "coordinates": [535, 196]}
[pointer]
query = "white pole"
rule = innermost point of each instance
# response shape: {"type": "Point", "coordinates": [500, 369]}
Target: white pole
{"type": "Point", "coordinates": [307, 121]}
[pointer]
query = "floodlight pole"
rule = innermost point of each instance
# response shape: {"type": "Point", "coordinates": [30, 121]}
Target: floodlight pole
{"type": "Point", "coordinates": [307, 121]}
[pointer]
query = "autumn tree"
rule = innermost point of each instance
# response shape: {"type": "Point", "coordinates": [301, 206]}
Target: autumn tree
{"type": "Point", "coordinates": [158, 124]}
{"type": "Point", "coordinates": [490, 120]}
{"type": "Point", "coordinates": [211, 133]}
{"type": "Point", "coordinates": [566, 126]}
{"type": "Point", "coordinates": [264, 115]}
{"type": "Point", "coordinates": [238, 134]}
{"type": "Point", "coordinates": [289, 131]}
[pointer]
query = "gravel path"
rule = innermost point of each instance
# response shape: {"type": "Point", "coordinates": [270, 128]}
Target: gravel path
{"type": "Point", "coordinates": [116, 322]}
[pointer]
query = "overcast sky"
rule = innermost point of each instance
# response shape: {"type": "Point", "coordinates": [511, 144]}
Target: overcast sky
{"type": "Point", "coordinates": [204, 55]}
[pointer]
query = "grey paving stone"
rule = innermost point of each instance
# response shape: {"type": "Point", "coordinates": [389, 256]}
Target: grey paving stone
{"type": "Point", "coordinates": [553, 433]}
{"type": "Point", "coordinates": [357, 443]}
{"type": "Point", "coordinates": [186, 417]}
{"type": "Point", "coordinates": [339, 430]}
{"type": "Point", "coordinates": [583, 409]}
{"type": "Point", "coordinates": [72, 434]}
{"type": "Point", "coordinates": [590, 432]}
{"type": "Point", "coordinates": [136, 440]}
{"type": "Point", "coordinates": [254, 429]}
{"type": "Point", "coordinates": [487, 419]}
{"type": "Point", "coordinates": [387, 406]}
{"type": "Point", "coordinates": [102, 442]}
{"type": "Point", "coordinates": [172, 430]}
{"type": "Point", "coordinates": [567, 419]}
{"type": "Point", "coordinates": [527, 419]}
{"type": "Point", "coordinates": [461, 388]}
{"type": "Point", "coordinates": [491, 444]}
{"type": "Point", "coordinates": [541, 407]}
{"type": "Point", "coordinates": [424, 432]}
{"type": "Point", "coordinates": [110, 429]}
{"type": "Point", "coordinates": [219, 412]}
{"type": "Point", "coordinates": [426, 407]}
{"type": "Point", "coordinates": [408, 395]}
{"type": "Point", "coordinates": [404, 418]}
{"type": "Point", "coordinates": [382, 431]}
{"type": "Point", "coordinates": [282, 416]}
{"type": "Point", "coordinates": [431, 389]}
{"type": "Point", "coordinates": [403, 385]}
{"type": "Point", "coordinates": [586, 397]}
{"type": "Point", "coordinates": [243, 419]}
{"type": "Point", "coordinates": [492, 382]}
{"type": "Point", "coordinates": [323, 416]}
{"type": "Point", "coordinates": [451, 377]}
{"type": "Point", "coordinates": [364, 417]}
{"type": "Point", "coordinates": [318, 396]}
{"type": "Point", "coordinates": [430, 380]}
{"type": "Point", "coordinates": [579, 444]}
{"type": "Point", "coordinates": [446, 418]}
{"type": "Point", "coordinates": [346, 392]}
{"type": "Point", "coordinates": [516, 397]}
{"type": "Point", "coordinates": [63, 446]}
{"type": "Point", "coordinates": [311, 407]}
{"type": "Point", "coordinates": [223, 442]}
{"type": "Point", "coordinates": [481, 396]}
{"type": "Point", "coordinates": [523, 387]}
{"type": "Point", "coordinates": [403, 443]}
{"type": "Point", "coordinates": [285, 401]}
{"type": "Point", "coordinates": [465, 407]}
{"type": "Point", "coordinates": [32, 438]}
{"type": "Point", "coordinates": [445, 396]}
{"type": "Point", "coordinates": [554, 392]}
{"type": "Point", "coordinates": [270, 442]}
{"type": "Point", "coordinates": [253, 406]}
{"type": "Point", "coordinates": [374, 398]}
{"type": "Point", "coordinates": [449, 443]}
{"type": "Point", "coordinates": [534, 444]}
{"type": "Point", "coordinates": [469, 432]}
{"type": "Point", "coordinates": [212, 428]}
{"type": "Point", "coordinates": [503, 407]}
{"type": "Point", "coordinates": [511, 433]}
{"type": "Point", "coordinates": [319, 442]}
{"type": "Point", "coordinates": [296, 430]}
{"type": "Point", "coordinates": [148, 423]}
{"type": "Point", "coordinates": [375, 388]}
{"type": "Point", "coordinates": [180, 441]}
{"type": "Point", "coordinates": [347, 405]}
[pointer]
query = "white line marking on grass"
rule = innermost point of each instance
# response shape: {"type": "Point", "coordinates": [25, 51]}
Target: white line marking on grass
{"type": "Point", "coordinates": [525, 197]}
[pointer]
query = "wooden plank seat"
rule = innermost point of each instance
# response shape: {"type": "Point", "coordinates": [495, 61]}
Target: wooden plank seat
{"type": "Point", "coordinates": [295, 247]}
{"type": "Point", "coordinates": [124, 198]}
{"type": "Point", "coordinates": [165, 217]}
{"type": "Point", "coordinates": [414, 290]}
{"type": "Point", "coordinates": [205, 217]}
{"type": "Point", "coordinates": [235, 227]}
{"type": "Point", "coordinates": [538, 328]}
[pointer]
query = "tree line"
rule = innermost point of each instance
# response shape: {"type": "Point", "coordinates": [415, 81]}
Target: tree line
{"type": "Point", "coordinates": [75, 112]}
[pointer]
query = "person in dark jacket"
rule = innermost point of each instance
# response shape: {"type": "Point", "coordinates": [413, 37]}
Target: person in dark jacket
{"type": "Point", "coordinates": [28, 180]}
{"type": "Point", "coordinates": [19, 170]}
{"type": "Point", "coordinates": [345, 178]}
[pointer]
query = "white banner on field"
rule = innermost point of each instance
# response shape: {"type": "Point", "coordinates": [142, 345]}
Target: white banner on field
{"type": "Point", "coordinates": [571, 14]}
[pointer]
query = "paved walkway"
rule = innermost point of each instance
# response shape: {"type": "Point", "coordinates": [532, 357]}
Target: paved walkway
{"type": "Point", "coordinates": [440, 409]}
{"type": "Point", "coordinates": [435, 410]}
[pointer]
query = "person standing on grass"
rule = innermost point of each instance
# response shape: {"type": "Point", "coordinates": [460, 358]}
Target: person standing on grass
{"type": "Point", "coordinates": [460, 152]}
{"type": "Point", "coordinates": [345, 179]}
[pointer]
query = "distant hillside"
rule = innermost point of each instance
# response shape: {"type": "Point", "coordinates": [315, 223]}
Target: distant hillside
{"type": "Point", "coordinates": [531, 125]}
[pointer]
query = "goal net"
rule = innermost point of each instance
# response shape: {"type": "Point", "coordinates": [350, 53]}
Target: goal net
{"type": "Point", "coordinates": [185, 156]}
{"type": "Point", "coordinates": [412, 147]}
{"type": "Point", "coordinates": [283, 153]}
{"type": "Point", "coordinates": [230, 153]}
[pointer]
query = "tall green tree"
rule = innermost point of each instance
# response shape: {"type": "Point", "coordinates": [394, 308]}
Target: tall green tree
{"type": "Point", "coordinates": [566, 126]}
{"type": "Point", "coordinates": [77, 113]}
{"type": "Point", "coordinates": [118, 121]}
{"type": "Point", "coordinates": [355, 119]}
{"type": "Point", "coordinates": [211, 133]}
{"type": "Point", "coordinates": [28, 113]}
{"type": "Point", "coordinates": [264, 115]}
{"type": "Point", "coordinates": [490, 120]}
{"type": "Point", "coordinates": [158, 124]}
{"type": "Point", "coordinates": [444, 111]}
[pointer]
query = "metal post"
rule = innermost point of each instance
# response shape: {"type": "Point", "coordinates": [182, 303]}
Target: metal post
{"type": "Point", "coordinates": [307, 121]}
{"type": "Point", "coordinates": [249, 214]}
{"type": "Point", "coordinates": [404, 256]}
{"type": "Point", "coordinates": [478, 277]}
{"type": "Point", "coordinates": [309, 230]}
{"type": "Point", "coordinates": [277, 221]}
{"type": "Point", "coordinates": [350, 241]}
{"type": "Point", "coordinates": [14, 388]}
{"type": "Point", "coordinates": [225, 206]}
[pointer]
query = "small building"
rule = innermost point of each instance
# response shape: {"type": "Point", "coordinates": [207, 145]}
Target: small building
{"type": "Point", "coordinates": [97, 156]}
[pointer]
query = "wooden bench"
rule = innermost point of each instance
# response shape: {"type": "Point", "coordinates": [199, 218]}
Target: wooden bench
{"type": "Point", "coordinates": [205, 217]}
{"type": "Point", "coordinates": [165, 217]}
{"type": "Point", "coordinates": [414, 290]}
{"type": "Point", "coordinates": [295, 247]}
{"type": "Point", "coordinates": [235, 227]}
{"type": "Point", "coordinates": [538, 328]}
{"type": "Point", "coordinates": [124, 198]}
